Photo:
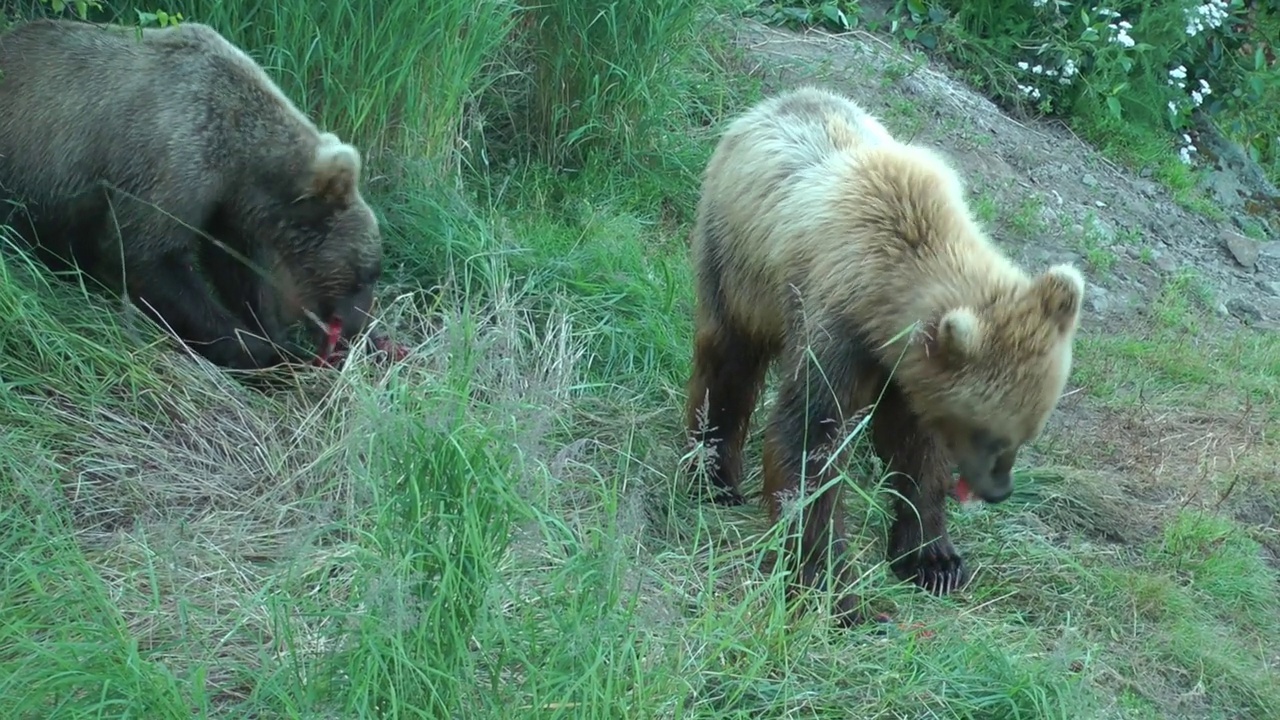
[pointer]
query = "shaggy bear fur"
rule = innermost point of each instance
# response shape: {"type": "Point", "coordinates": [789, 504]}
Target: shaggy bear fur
{"type": "Point", "coordinates": [823, 242]}
{"type": "Point", "coordinates": [172, 168]}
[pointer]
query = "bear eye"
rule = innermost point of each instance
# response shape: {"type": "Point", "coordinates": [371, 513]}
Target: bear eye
{"type": "Point", "coordinates": [368, 276]}
{"type": "Point", "coordinates": [1003, 464]}
{"type": "Point", "coordinates": [989, 442]}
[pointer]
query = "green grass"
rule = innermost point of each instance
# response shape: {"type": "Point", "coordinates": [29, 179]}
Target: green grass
{"type": "Point", "coordinates": [1140, 148]}
{"type": "Point", "coordinates": [494, 529]}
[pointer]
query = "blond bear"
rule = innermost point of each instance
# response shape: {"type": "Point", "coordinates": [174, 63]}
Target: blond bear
{"type": "Point", "coordinates": [853, 259]}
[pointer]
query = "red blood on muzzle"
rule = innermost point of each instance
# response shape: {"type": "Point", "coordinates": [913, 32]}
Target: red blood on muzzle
{"type": "Point", "coordinates": [332, 335]}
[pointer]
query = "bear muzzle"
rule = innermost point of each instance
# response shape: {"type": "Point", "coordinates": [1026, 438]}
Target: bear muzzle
{"type": "Point", "coordinates": [979, 479]}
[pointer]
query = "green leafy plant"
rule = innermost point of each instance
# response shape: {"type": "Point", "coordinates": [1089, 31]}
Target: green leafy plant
{"type": "Point", "coordinates": [836, 15]}
{"type": "Point", "coordinates": [1154, 64]}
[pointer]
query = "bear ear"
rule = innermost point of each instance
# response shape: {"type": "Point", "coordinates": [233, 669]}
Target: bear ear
{"type": "Point", "coordinates": [335, 171]}
{"type": "Point", "coordinates": [1059, 291]}
{"type": "Point", "coordinates": [958, 335]}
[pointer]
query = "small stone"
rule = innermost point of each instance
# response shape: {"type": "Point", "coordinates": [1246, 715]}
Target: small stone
{"type": "Point", "coordinates": [1097, 298]}
{"type": "Point", "coordinates": [1163, 261]}
{"type": "Point", "coordinates": [1271, 249]}
{"type": "Point", "coordinates": [1221, 309]}
{"type": "Point", "coordinates": [1146, 171]}
{"type": "Point", "coordinates": [1243, 249]}
{"type": "Point", "coordinates": [1269, 286]}
{"type": "Point", "coordinates": [1244, 310]}
{"type": "Point", "coordinates": [1089, 181]}
{"type": "Point", "coordinates": [1102, 231]}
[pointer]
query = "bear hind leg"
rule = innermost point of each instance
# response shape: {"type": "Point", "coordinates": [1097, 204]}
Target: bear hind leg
{"type": "Point", "coordinates": [805, 430]}
{"type": "Point", "coordinates": [728, 371]}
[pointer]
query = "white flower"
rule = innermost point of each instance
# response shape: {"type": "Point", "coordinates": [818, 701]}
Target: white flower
{"type": "Point", "coordinates": [1184, 152]}
{"type": "Point", "coordinates": [1197, 96]}
{"type": "Point", "coordinates": [1120, 32]}
{"type": "Point", "coordinates": [1022, 66]}
{"type": "Point", "coordinates": [1039, 3]}
{"type": "Point", "coordinates": [1068, 68]}
{"type": "Point", "coordinates": [1038, 69]}
{"type": "Point", "coordinates": [1207, 16]}
{"type": "Point", "coordinates": [1030, 92]}
{"type": "Point", "coordinates": [1173, 108]}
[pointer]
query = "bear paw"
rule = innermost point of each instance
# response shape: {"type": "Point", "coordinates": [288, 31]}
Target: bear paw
{"type": "Point", "coordinates": [726, 496]}
{"type": "Point", "coordinates": [847, 615]}
{"type": "Point", "coordinates": [845, 610]}
{"type": "Point", "coordinates": [936, 568]}
{"type": "Point", "coordinates": [722, 496]}
{"type": "Point", "coordinates": [713, 486]}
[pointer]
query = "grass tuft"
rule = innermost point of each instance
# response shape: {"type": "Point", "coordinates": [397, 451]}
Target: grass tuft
{"type": "Point", "coordinates": [591, 75]}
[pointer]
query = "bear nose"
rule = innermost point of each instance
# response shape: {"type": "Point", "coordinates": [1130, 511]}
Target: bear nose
{"type": "Point", "coordinates": [996, 497]}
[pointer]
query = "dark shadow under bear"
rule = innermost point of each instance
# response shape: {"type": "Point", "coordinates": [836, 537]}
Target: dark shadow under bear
{"type": "Point", "coordinates": [170, 167]}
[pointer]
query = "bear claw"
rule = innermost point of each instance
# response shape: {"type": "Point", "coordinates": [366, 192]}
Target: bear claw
{"type": "Point", "coordinates": [936, 569]}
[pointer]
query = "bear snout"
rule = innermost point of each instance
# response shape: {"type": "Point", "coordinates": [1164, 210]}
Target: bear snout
{"type": "Point", "coordinates": [997, 495]}
{"type": "Point", "coordinates": [991, 485]}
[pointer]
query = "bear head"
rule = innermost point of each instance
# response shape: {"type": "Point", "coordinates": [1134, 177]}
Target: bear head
{"type": "Point", "coordinates": [987, 378]}
{"type": "Point", "coordinates": [327, 245]}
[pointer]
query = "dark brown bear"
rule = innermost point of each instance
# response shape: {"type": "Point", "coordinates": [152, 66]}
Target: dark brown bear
{"type": "Point", "coordinates": [170, 166]}
{"type": "Point", "coordinates": [853, 259]}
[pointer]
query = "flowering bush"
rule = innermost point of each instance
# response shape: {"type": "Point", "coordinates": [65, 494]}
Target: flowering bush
{"type": "Point", "coordinates": [1156, 64]}
{"type": "Point", "coordinates": [1152, 64]}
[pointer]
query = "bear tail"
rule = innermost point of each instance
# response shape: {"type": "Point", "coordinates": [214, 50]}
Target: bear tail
{"type": "Point", "coordinates": [335, 172]}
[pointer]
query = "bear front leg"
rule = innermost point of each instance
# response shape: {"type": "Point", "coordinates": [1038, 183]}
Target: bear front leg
{"type": "Point", "coordinates": [728, 371]}
{"type": "Point", "coordinates": [174, 295]}
{"type": "Point", "coordinates": [804, 432]}
{"type": "Point", "coordinates": [920, 548]}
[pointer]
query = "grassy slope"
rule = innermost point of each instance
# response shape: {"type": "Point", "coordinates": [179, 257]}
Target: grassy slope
{"type": "Point", "coordinates": [490, 529]}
